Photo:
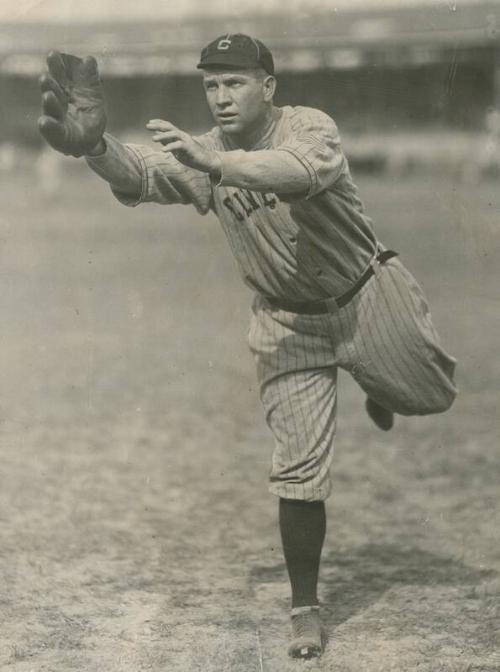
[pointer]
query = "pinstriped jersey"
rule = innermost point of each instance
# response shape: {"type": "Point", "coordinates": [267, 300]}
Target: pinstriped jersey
{"type": "Point", "coordinates": [296, 246]}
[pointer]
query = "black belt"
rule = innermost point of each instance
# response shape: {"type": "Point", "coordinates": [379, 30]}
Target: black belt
{"type": "Point", "coordinates": [325, 306]}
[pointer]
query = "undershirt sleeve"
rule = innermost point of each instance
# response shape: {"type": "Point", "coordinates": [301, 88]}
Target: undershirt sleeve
{"type": "Point", "coordinates": [141, 174]}
{"type": "Point", "coordinates": [264, 170]}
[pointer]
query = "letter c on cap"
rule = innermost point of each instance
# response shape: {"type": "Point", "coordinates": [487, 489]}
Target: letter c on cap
{"type": "Point", "coordinates": [224, 44]}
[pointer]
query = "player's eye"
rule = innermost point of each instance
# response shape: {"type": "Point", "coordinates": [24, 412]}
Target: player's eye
{"type": "Point", "coordinates": [210, 86]}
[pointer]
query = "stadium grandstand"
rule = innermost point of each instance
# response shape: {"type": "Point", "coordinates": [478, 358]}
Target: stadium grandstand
{"type": "Point", "coordinates": [376, 65]}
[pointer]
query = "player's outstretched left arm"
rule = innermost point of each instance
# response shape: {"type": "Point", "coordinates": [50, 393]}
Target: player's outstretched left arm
{"type": "Point", "coordinates": [73, 122]}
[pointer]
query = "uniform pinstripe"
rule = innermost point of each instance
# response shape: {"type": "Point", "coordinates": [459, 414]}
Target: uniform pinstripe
{"type": "Point", "coordinates": [305, 248]}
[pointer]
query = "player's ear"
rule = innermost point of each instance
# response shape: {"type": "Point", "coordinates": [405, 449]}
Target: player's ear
{"type": "Point", "coordinates": [269, 87]}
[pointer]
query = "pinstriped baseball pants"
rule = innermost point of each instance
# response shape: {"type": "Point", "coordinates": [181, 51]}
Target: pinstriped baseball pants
{"type": "Point", "coordinates": [384, 337]}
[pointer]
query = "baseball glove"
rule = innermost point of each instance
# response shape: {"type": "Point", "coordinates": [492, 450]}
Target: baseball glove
{"type": "Point", "coordinates": [73, 112]}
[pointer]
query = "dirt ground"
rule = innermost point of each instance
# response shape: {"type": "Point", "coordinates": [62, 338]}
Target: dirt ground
{"type": "Point", "coordinates": [135, 525]}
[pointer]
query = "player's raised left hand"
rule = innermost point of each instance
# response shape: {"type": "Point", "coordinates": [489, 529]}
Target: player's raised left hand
{"type": "Point", "coordinates": [184, 147]}
{"type": "Point", "coordinates": [73, 112]}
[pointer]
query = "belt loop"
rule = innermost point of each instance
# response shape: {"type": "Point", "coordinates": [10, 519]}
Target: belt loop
{"type": "Point", "coordinates": [375, 264]}
{"type": "Point", "coordinates": [331, 305]}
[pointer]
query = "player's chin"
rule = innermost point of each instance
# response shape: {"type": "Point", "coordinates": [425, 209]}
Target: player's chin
{"type": "Point", "coordinates": [230, 124]}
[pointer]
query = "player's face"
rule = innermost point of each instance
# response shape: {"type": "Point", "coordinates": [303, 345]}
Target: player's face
{"type": "Point", "coordinates": [238, 99]}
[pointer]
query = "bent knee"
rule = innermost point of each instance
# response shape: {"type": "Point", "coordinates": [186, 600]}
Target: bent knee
{"type": "Point", "coordinates": [445, 400]}
{"type": "Point", "coordinates": [438, 401]}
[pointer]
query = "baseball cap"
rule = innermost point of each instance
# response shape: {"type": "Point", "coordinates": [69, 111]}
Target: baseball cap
{"type": "Point", "coordinates": [237, 51]}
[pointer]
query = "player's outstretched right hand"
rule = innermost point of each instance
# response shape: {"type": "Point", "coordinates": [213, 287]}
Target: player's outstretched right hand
{"type": "Point", "coordinates": [73, 112]}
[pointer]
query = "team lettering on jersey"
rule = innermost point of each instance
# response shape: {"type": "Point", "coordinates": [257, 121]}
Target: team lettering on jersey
{"type": "Point", "coordinates": [243, 202]}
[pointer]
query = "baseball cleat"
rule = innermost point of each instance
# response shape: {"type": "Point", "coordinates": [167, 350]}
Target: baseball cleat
{"type": "Point", "coordinates": [383, 418]}
{"type": "Point", "coordinates": [306, 633]}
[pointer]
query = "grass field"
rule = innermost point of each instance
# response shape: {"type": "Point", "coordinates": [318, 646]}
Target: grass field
{"type": "Point", "coordinates": [136, 531]}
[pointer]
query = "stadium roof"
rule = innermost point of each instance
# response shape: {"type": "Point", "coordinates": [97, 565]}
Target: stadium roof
{"type": "Point", "coordinates": [69, 11]}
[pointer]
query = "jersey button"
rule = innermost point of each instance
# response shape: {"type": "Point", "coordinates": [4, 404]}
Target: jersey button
{"type": "Point", "coordinates": [319, 271]}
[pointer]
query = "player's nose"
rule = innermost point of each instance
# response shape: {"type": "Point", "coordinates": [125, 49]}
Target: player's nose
{"type": "Point", "coordinates": [222, 98]}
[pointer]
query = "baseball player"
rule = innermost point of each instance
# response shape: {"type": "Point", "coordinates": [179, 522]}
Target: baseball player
{"type": "Point", "coordinates": [328, 294]}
